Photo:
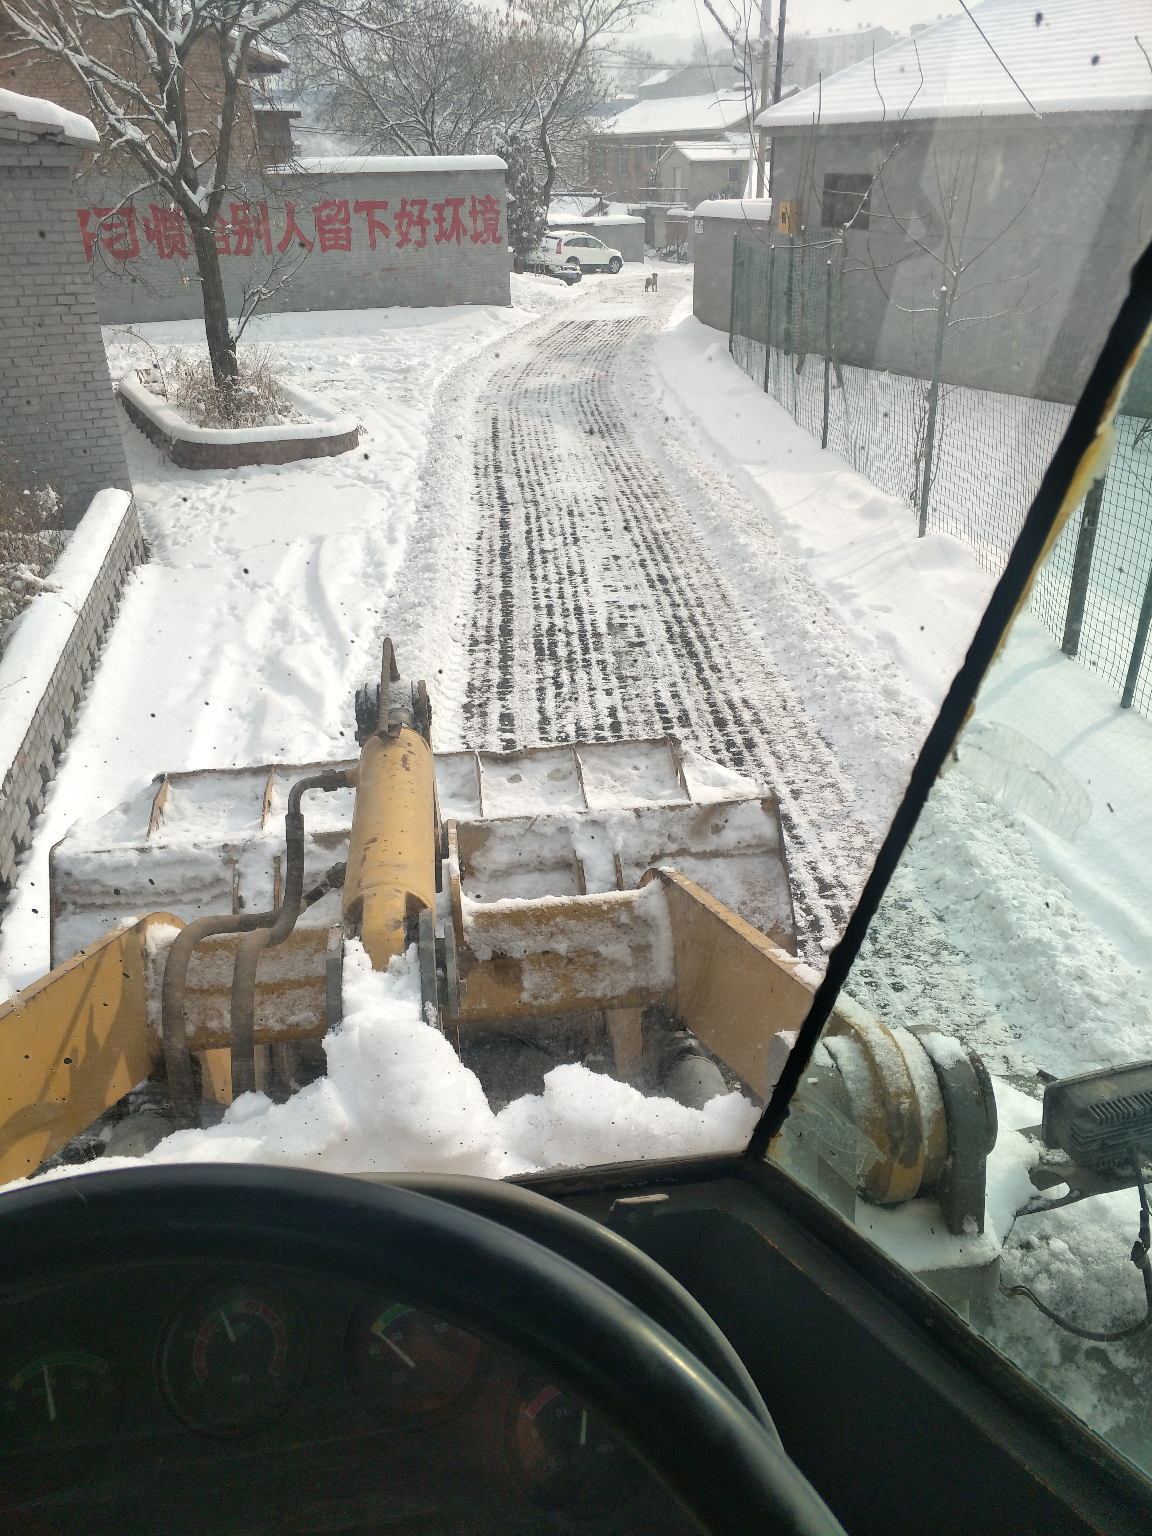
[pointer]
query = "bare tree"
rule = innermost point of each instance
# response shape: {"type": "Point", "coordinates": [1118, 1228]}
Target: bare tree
{"type": "Point", "coordinates": [561, 42]}
{"type": "Point", "coordinates": [426, 81]}
{"type": "Point", "coordinates": [166, 81]}
{"type": "Point", "coordinates": [454, 77]}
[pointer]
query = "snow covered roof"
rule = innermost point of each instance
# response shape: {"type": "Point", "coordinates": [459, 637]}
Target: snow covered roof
{"type": "Point", "coordinates": [727, 149]}
{"type": "Point", "coordinates": [30, 114]}
{"type": "Point", "coordinates": [558, 223]}
{"type": "Point", "coordinates": [677, 116]}
{"type": "Point", "coordinates": [746, 208]}
{"type": "Point", "coordinates": [661, 77]}
{"type": "Point", "coordinates": [362, 165]}
{"type": "Point", "coordinates": [572, 205]}
{"type": "Point", "coordinates": [1067, 56]}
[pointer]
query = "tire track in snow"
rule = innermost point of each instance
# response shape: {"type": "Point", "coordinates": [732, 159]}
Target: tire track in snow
{"type": "Point", "coordinates": [597, 613]}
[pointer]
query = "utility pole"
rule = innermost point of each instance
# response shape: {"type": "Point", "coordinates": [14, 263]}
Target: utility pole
{"type": "Point", "coordinates": [762, 137]}
{"type": "Point", "coordinates": [770, 189]}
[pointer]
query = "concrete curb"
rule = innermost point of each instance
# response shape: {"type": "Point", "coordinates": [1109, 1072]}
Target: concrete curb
{"type": "Point", "coordinates": [50, 660]}
{"type": "Point", "coordinates": [190, 447]}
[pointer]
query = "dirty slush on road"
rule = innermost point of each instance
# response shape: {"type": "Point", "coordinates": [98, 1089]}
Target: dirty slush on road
{"type": "Point", "coordinates": [594, 612]}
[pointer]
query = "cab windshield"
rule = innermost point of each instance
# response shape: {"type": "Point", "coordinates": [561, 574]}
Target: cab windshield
{"type": "Point", "coordinates": [653, 576]}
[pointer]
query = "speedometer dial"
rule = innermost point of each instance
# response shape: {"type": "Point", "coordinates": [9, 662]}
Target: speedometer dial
{"type": "Point", "coordinates": [234, 1358]}
{"type": "Point", "coordinates": [566, 1457]}
{"type": "Point", "coordinates": [415, 1368]}
{"type": "Point", "coordinates": [59, 1390]}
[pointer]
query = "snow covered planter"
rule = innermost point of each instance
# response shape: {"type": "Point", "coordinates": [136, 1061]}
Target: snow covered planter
{"type": "Point", "coordinates": [50, 659]}
{"type": "Point", "coordinates": [325, 433]}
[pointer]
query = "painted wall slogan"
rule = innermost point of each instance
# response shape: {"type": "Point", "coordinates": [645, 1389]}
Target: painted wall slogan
{"type": "Point", "coordinates": [409, 222]}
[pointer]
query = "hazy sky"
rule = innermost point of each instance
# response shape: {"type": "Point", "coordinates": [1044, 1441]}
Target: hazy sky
{"type": "Point", "coordinates": [684, 17]}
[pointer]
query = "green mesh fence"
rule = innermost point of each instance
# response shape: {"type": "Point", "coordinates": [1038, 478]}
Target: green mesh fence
{"type": "Point", "coordinates": [989, 450]}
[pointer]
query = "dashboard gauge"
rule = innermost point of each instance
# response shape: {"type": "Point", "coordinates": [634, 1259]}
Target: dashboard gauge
{"type": "Point", "coordinates": [234, 1357]}
{"type": "Point", "coordinates": [60, 1390]}
{"type": "Point", "coordinates": [417, 1369]}
{"type": "Point", "coordinates": [565, 1456]}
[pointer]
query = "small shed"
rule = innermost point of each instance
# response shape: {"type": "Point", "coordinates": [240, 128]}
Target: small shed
{"type": "Point", "coordinates": [714, 226]}
{"type": "Point", "coordinates": [58, 419]}
{"type": "Point", "coordinates": [692, 171]}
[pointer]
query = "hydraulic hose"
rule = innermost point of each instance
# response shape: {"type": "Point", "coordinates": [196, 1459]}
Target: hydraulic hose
{"type": "Point", "coordinates": [267, 935]}
{"type": "Point", "coordinates": [181, 1088]}
{"type": "Point", "coordinates": [272, 926]}
{"type": "Point", "coordinates": [1139, 1256]}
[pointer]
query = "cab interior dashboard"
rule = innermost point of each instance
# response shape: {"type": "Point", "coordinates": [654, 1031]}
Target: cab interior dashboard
{"type": "Point", "coordinates": [182, 1351]}
{"type": "Point", "coordinates": [236, 1399]}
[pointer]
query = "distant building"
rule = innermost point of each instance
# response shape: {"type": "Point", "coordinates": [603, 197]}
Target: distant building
{"type": "Point", "coordinates": [626, 157]}
{"type": "Point", "coordinates": [809, 59]}
{"type": "Point", "coordinates": [1021, 145]}
{"type": "Point", "coordinates": [689, 80]}
{"type": "Point", "coordinates": [263, 129]}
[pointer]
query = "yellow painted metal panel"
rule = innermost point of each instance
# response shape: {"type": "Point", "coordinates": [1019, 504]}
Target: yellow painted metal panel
{"type": "Point", "coordinates": [734, 988]}
{"type": "Point", "coordinates": [71, 1044]}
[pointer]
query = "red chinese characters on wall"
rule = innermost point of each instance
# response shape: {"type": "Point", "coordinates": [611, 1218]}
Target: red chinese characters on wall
{"type": "Point", "coordinates": [334, 225]}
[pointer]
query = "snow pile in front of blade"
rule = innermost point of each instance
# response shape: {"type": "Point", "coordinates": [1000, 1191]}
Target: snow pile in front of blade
{"type": "Point", "coordinates": [583, 1118]}
{"type": "Point", "coordinates": [397, 1098]}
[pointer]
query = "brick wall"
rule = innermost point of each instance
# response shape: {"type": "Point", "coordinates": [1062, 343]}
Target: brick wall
{"type": "Point", "coordinates": [58, 418]}
{"type": "Point", "coordinates": [471, 267]}
{"type": "Point", "coordinates": [52, 718]}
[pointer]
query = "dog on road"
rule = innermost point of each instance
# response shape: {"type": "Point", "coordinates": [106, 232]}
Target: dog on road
{"type": "Point", "coordinates": [650, 282]}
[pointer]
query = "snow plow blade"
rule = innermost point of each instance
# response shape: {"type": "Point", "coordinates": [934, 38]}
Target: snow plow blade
{"type": "Point", "coordinates": [628, 892]}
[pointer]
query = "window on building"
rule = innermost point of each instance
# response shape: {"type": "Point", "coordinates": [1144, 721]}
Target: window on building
{"type": "Point", "coordinates": [846, 200]}
{"type": "Point", "coordinates": [653, 154]}
{"type": "Point", "coordinates": [622, 162]}
{"type": "Point", "coordinates": [735, 174]}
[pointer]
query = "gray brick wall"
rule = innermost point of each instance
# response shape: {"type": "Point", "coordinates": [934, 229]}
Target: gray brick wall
{"type": "Point", "coordinates": [26, 779]}
{"type": "Point", "coordinates": [710, 248]}
{"type": "Point", "coordinates": [459, 271]}
{"type": "Point", "coordinates": [58, 418]}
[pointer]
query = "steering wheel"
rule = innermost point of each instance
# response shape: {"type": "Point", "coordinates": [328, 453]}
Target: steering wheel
{"type": "Point", "coordinates": [725, 1466]}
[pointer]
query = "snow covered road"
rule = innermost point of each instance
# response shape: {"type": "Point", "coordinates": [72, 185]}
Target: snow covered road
{"type": "Point", "coordinates": [597, 613]}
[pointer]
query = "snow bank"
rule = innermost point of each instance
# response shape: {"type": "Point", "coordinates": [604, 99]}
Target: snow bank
{"type": "Point", "coordinates": [40, 633]}
{"type": "Point", "coordinates": [745, 208]}
{"type": "Point", "coordinates": [397, 1098]}
{"type": "Point", "coordinates": [46, 114]}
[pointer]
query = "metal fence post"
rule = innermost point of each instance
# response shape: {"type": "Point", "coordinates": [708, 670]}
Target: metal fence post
{"type": "Point", "coordinates": [827, 351]}
{"type": "Point", "coordinates": [933, 399]}
{"type": "Point", "coordinates": [1082, 568]}
{"type": "Point", "coordinates": [732, 298]}
{"type": "Point", "coordinates": [1138, 647]}
{"type": "Point", "coordinates": [768, 321]}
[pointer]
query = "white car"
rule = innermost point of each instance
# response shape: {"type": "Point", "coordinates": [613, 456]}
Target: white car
{"type": "Point", "coordinates": [570, 248]}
